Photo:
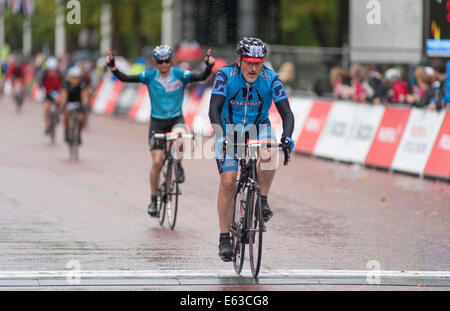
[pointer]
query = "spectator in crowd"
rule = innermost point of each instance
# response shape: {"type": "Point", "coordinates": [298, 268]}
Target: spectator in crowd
{"type": "Point", "coordinates": [398, 88]}
{"type": "Point", "coordinates": [358, 74]}
{"type": "Point", "coordinates": [379, 91]}
{"type": "Point", "coordinates": [423, 92]}
{"type": "Point", "coordinates": [440, 87]}
{"type": "Point", "coordinates": [287, 74]}
{"type": "Point", "coordinates": [340, 81]}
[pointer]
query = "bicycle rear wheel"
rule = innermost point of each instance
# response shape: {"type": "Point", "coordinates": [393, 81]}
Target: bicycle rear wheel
{"type": "Point", "coordinates": [237, 231]}
{"type": "Point", "coordinates": [172, 195]}
{"type": "Point", "coordinates": [52, 127]}
{"type": "Point", "coordinates": [74, 136]}
{"type": "Point", "coordinates": [255, 225]}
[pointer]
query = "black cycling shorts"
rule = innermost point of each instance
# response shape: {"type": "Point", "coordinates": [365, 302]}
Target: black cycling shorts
{"type": "Point", "coordinates": [161, 126]}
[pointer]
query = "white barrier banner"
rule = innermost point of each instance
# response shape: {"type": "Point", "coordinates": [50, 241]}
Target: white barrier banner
{"type": "Point", "coordinates": [102, 96]}
{"type": "Point", "coordinates": [202, 124]}
{"type": "Point", "coordinates": [143, 100]}
{"type": "Point", "coordinates": [418, 140]}
{"type": "Point", "coordinates": [349, 131]}
{"type": "Point", "coordinates": [336, 130]}
{"type": "Point", "coordinates": [300, 108]}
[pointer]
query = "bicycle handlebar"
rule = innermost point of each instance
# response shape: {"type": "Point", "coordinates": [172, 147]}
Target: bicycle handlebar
{"type": "Point", "coordinates": [172, 136]}
{"type": "Point", "coordinates": [287, 155]}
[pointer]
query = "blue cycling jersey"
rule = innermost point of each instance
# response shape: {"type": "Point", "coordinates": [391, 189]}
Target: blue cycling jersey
{"type": "Point", "coordinates": [247, 104]}
{"type": "Point", "coordinates": [166, 94]}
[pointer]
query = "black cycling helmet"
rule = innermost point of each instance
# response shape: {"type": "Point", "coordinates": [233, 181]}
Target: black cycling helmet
{"type": "Point", "coordinates": [162, 52]}
{"type": "Point", "coordinates": [251, 47]}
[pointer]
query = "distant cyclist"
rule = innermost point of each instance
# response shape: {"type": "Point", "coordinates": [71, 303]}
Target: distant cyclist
{"type": "Point", "coordinates": [239, 108]}
{"type": "Point", "coordinates": [74, 91]}
{"type": "Point", "coordinates": [166, 88]}
{"type": "Point", "coordinates": [16, 73]}
{"type": "Point", "coordinates": [52, 81]}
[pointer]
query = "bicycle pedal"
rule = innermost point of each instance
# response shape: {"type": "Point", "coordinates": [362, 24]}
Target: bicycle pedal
{"type": "Point", "coordinates": [227, 258]}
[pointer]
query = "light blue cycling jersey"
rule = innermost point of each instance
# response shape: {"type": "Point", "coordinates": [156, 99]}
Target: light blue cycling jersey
{"type": "Point", "coordinates": [166, 94]}
{"type": "Point", "coordinates": [247, 104]}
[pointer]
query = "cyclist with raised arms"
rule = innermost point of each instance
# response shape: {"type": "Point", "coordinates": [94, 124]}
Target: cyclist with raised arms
{"type": "Point", "coordinates": [239, 108]}
{"type": "Point", "coordinates": [166, 88]}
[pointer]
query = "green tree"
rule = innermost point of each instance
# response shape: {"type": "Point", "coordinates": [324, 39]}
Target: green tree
{"type": "Point", "coordinates": [135, 24]}
{"type": "Point", "coordinates": [314, 22]}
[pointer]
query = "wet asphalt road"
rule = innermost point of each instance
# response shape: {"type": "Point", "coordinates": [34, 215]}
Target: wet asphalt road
{"type": "Point", "coordinates": [328, 215]}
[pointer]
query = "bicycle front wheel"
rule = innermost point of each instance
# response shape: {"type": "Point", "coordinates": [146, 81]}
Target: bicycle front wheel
{"type": "Point", "coordinates": [160, 206]}
{"type": "Point", "coordinates": [75, 143]}
{"type": "Point", "coordinates": [172, 195]}
{"type": "Point", "coordinates": [237, 232]}
{"type": "Point", "coordinates": [255, 225]}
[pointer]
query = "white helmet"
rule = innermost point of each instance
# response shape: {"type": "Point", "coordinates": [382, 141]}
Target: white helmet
{"type": "Point", "coordinates": [52, 63]}
{"type": "Point", "coordinates": [74, 72]}
{"type": "Point", "coordinates": [393, 74]}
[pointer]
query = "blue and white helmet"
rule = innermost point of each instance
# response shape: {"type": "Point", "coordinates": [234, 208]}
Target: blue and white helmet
{"type": "Point", "coordinates": [162, 52]}
{"type": "Point", "coordinates": [251, 47]}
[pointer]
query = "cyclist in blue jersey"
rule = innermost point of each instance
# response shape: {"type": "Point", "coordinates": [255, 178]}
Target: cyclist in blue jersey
{"type": "Point", "coordinates": [166, 88]}
{"type": "Point", "coordinates": [239, 109]}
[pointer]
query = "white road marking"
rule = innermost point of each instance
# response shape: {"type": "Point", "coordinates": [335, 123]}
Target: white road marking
{"type": "Point", "coordinates": [208, 274]}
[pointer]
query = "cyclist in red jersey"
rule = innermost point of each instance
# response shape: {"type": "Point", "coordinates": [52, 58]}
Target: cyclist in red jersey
{"type": "Point", "coordinates": [51, 81]}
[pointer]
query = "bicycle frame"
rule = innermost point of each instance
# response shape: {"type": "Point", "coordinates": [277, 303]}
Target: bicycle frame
{"type": "Point", "coordinates": [168, 188]}
{"type": "Point", "coordinates": [248, 227]}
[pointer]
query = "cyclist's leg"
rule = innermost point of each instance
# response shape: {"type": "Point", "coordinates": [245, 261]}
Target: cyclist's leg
{"type": "Point", "coordinates": [269, 158]}
{"type": "Point", "coordinates": [157, 162]}
{"type": "Point", "coordinates": [156, 151]}
{"type": "Point", "coordinates": [225, 208]}
{"type": "Point", "coordinates": [179, 127]}
{"type": "Point", "coordinates": [66, 123]}
{"type": "Point", "coordinates": [178, 148]}
{"type": "Point", "coordinates": [81, 117]}
{"type": "Point", "coordinates": [47, 113]}
{"type": "Point", "coordinates": [228, 168]}
{"type": "Point", "coordinates": [267, 167]}
{"type": "Point", "coordinates": [225, 203]}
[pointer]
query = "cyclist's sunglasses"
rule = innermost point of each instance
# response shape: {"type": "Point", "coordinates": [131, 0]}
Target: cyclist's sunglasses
{"type": "Point", "coordinates": [167, 61]}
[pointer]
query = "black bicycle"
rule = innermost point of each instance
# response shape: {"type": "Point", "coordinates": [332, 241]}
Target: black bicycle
{"type": "Point", "coordinates": [168, 191]}
{"type": "Point", "coordinates": [74, 129]}
{"type": "Point", "coordinates": [247, 226]}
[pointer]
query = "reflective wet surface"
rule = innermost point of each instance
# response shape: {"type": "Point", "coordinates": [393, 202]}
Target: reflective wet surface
{"type": "Point", "coordinates": [327, 215]}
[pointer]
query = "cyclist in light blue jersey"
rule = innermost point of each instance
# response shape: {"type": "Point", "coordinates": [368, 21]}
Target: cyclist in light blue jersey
{"type": "Point", "coordinates": [239, 109]}
{"type": "Point", "coordinates": [166, 88]}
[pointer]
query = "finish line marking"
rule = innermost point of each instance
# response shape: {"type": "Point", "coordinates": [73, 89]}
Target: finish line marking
{"type": "Point", "coordinates": [222, 277]}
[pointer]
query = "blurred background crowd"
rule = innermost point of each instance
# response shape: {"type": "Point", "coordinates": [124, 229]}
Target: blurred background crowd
{"type": "Point", "coordinates": [312, 43]}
